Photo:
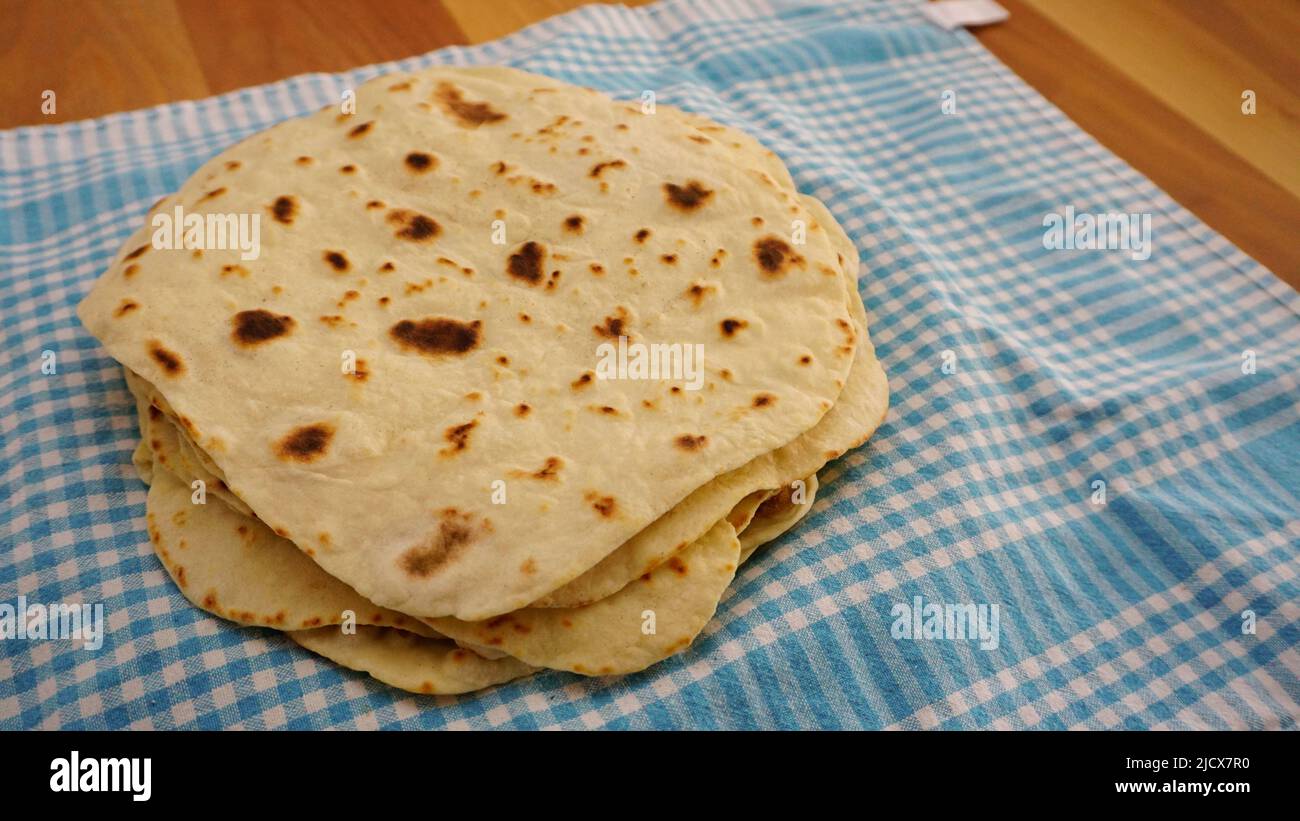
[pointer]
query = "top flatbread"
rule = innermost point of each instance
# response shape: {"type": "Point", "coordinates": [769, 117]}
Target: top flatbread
{"type": "Point", "coordinates": [475, 361]}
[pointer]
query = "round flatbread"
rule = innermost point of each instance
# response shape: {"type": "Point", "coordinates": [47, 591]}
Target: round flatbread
{"type": "Point", "coordinates": [423, 326]}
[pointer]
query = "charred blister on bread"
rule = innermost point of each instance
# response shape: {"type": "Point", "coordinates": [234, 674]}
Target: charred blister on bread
{"type": "Point", "coordinates": [255, 327]}
{"type": "Point", "coordinates": [305, 444]}
{"type": "Point", "coordinates": [434, 336]}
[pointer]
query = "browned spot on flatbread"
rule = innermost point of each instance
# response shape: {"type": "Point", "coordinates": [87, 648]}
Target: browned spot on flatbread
{"type": "Point", "coordinates": [213, 194]}
{"type": "Point", "coordinates": [137, 253]}
{"type": "Point", "coordinates": [284, 209]}
{"type": "Point", "coordinates": [437, 335]}
{"type": "Point", "coordinates": [604, 505]}
{"type": "Point", "coordinates": [849, 334]}
{"type": "Point", "coordinates": [305, 444]}
{"type": "Point", "coordinates": [412, 226]}
{"type": "Point", "coordinates": [169, 361]}
{"type": "Point", "coordinates": [527, 263]}
{"type": "Point", "coordinates": [764, 400]}
{"type": "Point", "coordinates": [257, 326]}
{"type": "Point", "coordinates": [523, 409]}
{"type": "Point", "coordinates": [458, 437]}
{"type": "Point", "coordinates": [360, 372]}
{"type": "Point", "coordinates": [574, 224]}
{"type": "Point", "coordinates": [361, 130]}
{"type": "Point", "coordinates": [582, 381]}
{"type": "Point", "coordinates": [614, 326]}
{"type": "Point", "coordinates": [130, 270]}
{"type": "Point", "coordinates": [690, 442]}
{"type": "Point", "coordinates": [599, 168]}
{"type": "Point", "coordinates": [468, 114]}
{"type": "Point", "coordinates": [419, 162]}
{"type": "Point", "coordinates": [731, 326]}
{"type": "Point", "coordinates": [549, 471]}
{"type": "Point", "coordinates": [456, 533]}
{"type": "Point", "coordinates": [641, 236]}
{"type": "Point", "coordinates": [336, 260]}
{"type": "Point", "coordinates": [698, 291]}
{"type": "Point", "coordinates": [676, 565]}
{"type": "Point", "coordinates": [775, 257]}
{"type": "Point", "coordinates": [125, 307]}
{"type": "Point", "coordinates": [689, 197]}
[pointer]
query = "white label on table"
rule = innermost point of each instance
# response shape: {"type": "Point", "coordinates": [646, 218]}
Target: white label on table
{"type": "Point", "coordinates": [953, 13]}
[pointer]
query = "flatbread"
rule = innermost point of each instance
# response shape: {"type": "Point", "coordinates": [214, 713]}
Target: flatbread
{"type": "Point", "coordinates": [474, 360]}
{"type": "Point", "coordinates": [775, 516]}
{"type": "Point", "coordinates": [860, 409]}
{"type": "Point", "coordinates": [595, 639]}
{"type": "Point", "coordinates": [410, 662]}
{"type": "Point", "coordinates": [647, 621]}
{"type": "Point", "coordinates": [166, 445]}
{"type": "Point", "coordinates": [234, 567]}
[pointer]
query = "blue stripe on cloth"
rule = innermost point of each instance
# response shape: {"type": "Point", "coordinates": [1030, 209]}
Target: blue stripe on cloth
{"type": "Point", "coordinates": [1071, 367]}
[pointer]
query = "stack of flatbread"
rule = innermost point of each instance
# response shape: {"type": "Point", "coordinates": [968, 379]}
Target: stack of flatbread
{"type": "Point", "coordinates": [518, 378]}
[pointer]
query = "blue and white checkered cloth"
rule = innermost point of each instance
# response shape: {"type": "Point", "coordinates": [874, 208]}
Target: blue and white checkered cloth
{"type": "Point", "coordinates": [1067, 368]}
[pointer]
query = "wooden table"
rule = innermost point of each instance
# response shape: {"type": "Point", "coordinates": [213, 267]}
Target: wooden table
{"type": "Point", "coordinates": [1159, 82]}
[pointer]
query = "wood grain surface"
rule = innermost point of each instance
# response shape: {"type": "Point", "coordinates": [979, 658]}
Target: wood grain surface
{"type": "Point", "coordinates": [1158, 82]}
